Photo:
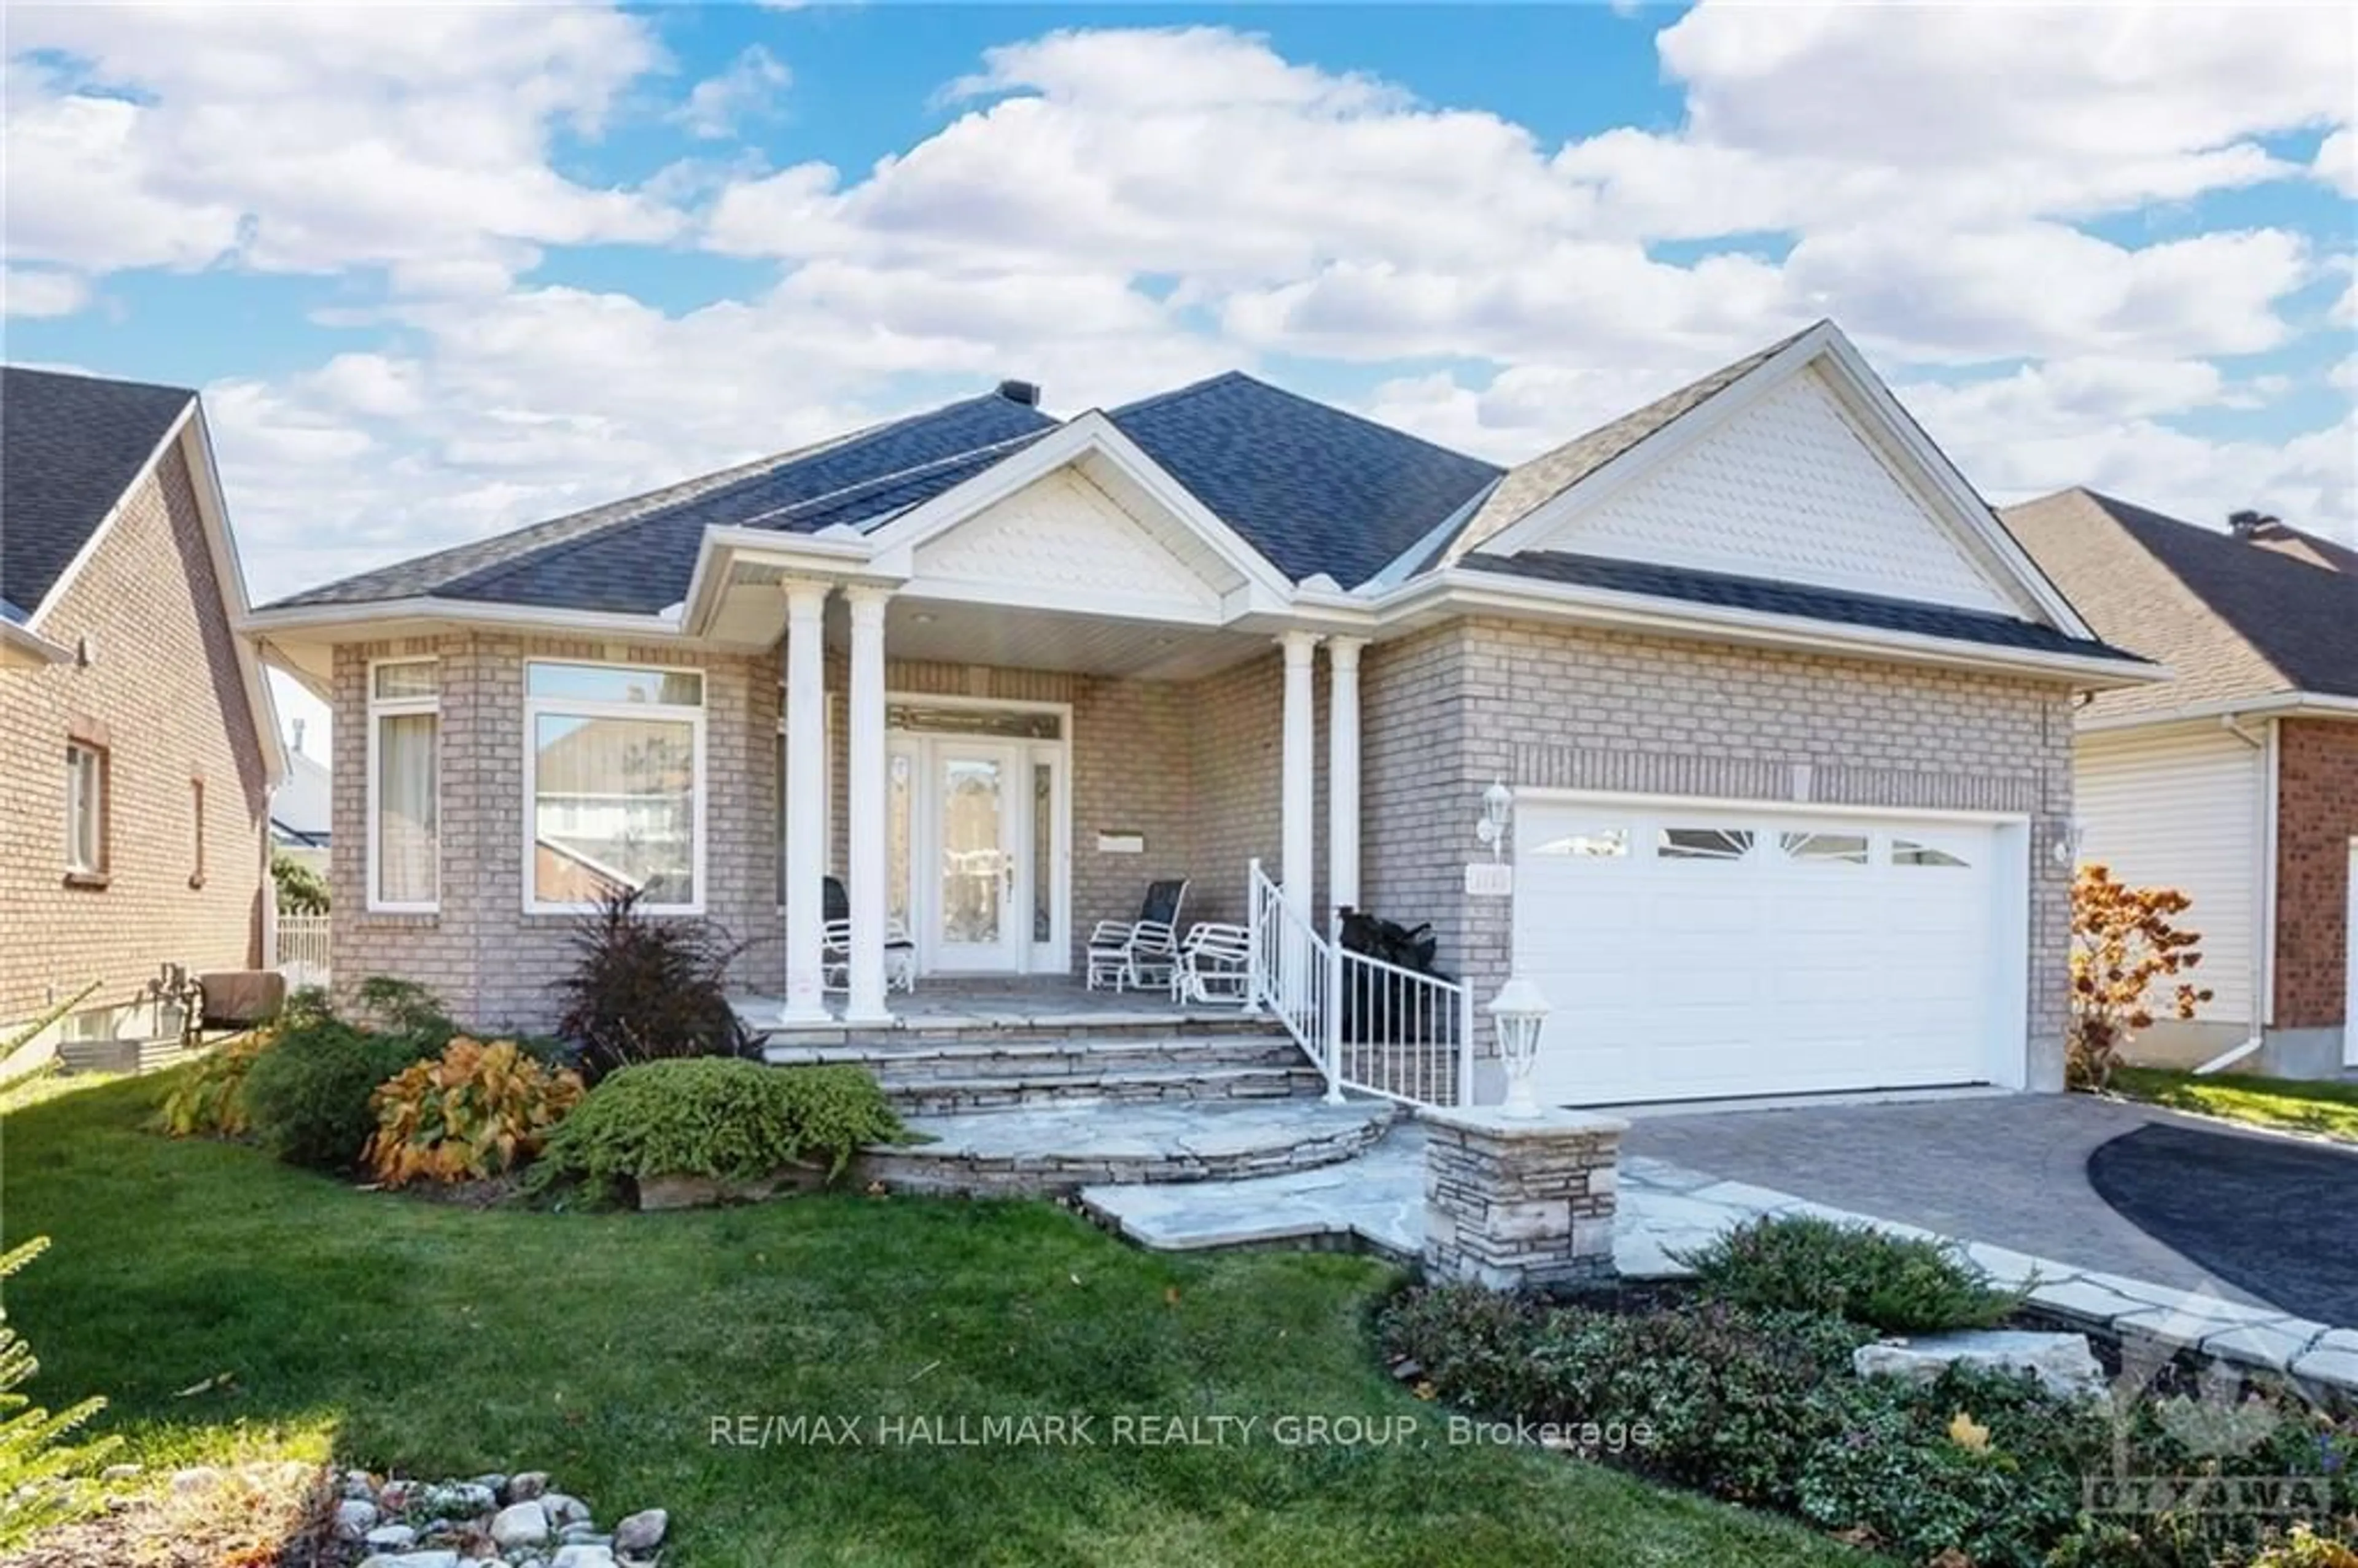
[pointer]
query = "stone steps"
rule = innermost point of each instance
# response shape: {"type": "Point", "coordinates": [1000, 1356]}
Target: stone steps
{"type": "Point", "coordinates": [928, 1095]}
{"type": "Point", "coordinates": [1060, 1149]}
{"type": "Point", "coordinates": [993, 1073]}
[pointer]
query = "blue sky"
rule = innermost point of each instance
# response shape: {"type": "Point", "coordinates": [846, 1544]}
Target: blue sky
{"type": "Point", "coordinates": [444, 271]}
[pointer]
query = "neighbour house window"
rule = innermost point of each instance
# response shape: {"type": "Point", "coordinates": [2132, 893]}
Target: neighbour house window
{"type": "Point", "coordinates": [1908, 852]}
{"type": "Point", "coordinates": [1825, 848]}
{"type": "Point", "coordinates": [1589, 844]}
{"type": "Point", "coordinates": [1703, 843]}
{"type": "Point", "coordinates": [613, 786]}
{"type": "Point", "coordinates": [404, 844]}
{"type": "Point", "coordinates": [86, 821]}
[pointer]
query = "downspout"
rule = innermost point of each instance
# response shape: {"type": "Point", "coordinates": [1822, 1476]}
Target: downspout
{"type": "Point", "coordinates": [2264, 804]}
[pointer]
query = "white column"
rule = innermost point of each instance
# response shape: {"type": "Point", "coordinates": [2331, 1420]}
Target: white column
{"type": "Point", "coordinates": [1295, 781]}
{"type": "Point", "coordinates": [806, 787]}
{"type": "Point", "coordinates": [1343, 770]}
{"type": "Point", "coordinates": [868, 825]}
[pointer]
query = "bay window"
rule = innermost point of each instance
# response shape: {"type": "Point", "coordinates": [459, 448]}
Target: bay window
{"type": "Point", "coordinates": [405, 739]}
{"type": "Point", "coordinates": [613, 786]}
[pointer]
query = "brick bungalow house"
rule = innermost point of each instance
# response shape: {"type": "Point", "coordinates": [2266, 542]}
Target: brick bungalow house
{"type": "Point", "coordinates": [1782, 716]}
{"type": "Point", "coordinates": [137, 746]}
{"type": "Point", "coordinates": [2236, 782]}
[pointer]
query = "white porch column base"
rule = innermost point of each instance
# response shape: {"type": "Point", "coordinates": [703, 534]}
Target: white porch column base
{"type": "Point", "coordinates": [805, 786]}
{"type": "Point", "coordinates": [867, 1004]}
{"type": "Point", "coordinates": [1295, 780]}
{"type": "Point", "coordinates": [1343, 770]}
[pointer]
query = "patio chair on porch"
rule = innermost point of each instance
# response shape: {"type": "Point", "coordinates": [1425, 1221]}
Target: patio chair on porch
{"type": "Point", "coordinates": [1138, 954]}
{"type": "Point", "coordinates": [1215, 964]}
{"type": "Point", "coordinates": [834, 944]}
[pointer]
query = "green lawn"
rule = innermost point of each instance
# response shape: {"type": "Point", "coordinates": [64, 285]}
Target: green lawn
{"type": "Point", "coordinates": [400, 1333]}
{"type": "Point", "coordinates": [2323, 1109]}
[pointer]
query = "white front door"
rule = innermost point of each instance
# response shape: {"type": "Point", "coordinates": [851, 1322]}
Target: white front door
{"type": "Point", "coordinates": [978, 825]}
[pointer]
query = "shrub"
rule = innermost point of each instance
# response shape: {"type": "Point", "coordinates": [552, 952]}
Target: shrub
{"type": "Point", "coordinates": [302, 889]}
{"type": "Point", "coordinates": [2127, 956]}
{"type": "Point", "coordinates": [210, 1101]}
{"type": "Point", "coordinates": [476, 1111]}
{"type": "Point", "coordinates": [644, 989]}
{"type": "Point", "coordinates": [44, 1479]}
{"type": "Point", "coordinates": [733, 1121]}
{"type": "Point", "coordinates": [406, 1008]}
{"type": "Point", "coordinates": [307, 1093]}
{"type": "Point", "coordinates": [1894, 1283]}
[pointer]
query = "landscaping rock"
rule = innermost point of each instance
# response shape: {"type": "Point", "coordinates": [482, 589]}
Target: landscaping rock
{"type": "Point", "coordinates": [196, 1478]}
{"type": "Point", "coordinates": [582, 1555]}
{"type": "Point", "coordinates": [2061, 1362]}
{"type": "Point", "coordinates": [390, 1538]}
{"type": "Point", "coordinates": [564, 1510]}
{"type": "Point", "coordinates": [521, 1524]}
{"type": "Point", "coordinates": [526, 1486]}
{"type": "Point", "coordinates": [354, 1519]}
{"type": "Point", "coordinates": [641, 1534]}
{"type": "Point", "coordinates": [412, 1560]}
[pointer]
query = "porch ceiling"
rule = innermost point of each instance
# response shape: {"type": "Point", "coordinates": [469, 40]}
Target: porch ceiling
{"type": "Point", "coordinates": [954, 632]}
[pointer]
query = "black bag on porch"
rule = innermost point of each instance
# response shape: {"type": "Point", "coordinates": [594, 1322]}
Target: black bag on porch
{"type": "Point", "coordinates": [1381, 1008]}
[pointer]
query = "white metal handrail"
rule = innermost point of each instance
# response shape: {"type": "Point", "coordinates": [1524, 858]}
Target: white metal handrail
{"type": "Point", "coordinates": [1370, 1025]}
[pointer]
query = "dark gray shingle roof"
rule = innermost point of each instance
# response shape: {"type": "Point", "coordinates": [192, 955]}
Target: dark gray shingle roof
{"type": "Point", "coordinates": [69, 446]}
{"type": "Point", "coordinates": [2231, 618]}
{"type": "Point", "coordinates": [1313, 488]}
{"type": "Point", "coordinates": [1837, 605]}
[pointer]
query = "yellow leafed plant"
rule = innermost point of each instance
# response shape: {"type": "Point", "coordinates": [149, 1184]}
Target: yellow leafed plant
{"type": "Point", "coordinates": [475, 1111]}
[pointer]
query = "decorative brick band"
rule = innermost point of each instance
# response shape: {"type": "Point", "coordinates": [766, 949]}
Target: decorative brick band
{"type": "Point", "coordinates": [1788, 778]}
{"type": "Point", "coordinates": [1513, 1203]}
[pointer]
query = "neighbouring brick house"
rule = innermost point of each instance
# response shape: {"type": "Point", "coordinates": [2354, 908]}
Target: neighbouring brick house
{"type": "Point", "coordinates": [137, 749]}
{"type": "Point", "coordinates": [2236, 782]}
{"type": "Point", "coordinates": [1772, 716]}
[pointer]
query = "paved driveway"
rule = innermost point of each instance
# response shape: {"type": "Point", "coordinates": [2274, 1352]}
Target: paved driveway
{"type": "Point", "coordinates": [2009, 1169]}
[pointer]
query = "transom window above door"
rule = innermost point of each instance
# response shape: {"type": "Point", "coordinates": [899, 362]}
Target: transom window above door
{"type": "Point", "coordinates": [947, 718]}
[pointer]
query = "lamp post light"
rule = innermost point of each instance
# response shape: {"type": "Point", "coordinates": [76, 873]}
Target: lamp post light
{"type": "Point", "coordinates": [1520, 1010]}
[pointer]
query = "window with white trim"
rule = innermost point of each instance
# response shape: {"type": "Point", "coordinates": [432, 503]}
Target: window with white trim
{"type": "Point", "coordinates": [86, 810]}
{"type": "Point", "coordinates": [405, 785]}
{"type": "Point", "coordinates": [613, 786]}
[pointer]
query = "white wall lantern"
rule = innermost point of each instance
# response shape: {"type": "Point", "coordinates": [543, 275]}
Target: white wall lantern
{"type": "Point", "coordinates": [1520, 1010]}
{"type": "Point", "coordinates": [1497, 807]}
{"type": "Point", "coordinates": [2069, 837]}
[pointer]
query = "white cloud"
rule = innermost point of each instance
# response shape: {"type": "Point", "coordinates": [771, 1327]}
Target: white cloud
{"type": "Point", "coordinates": [29, 292]}
{"type": "Point", "coordinates": [306, 138]}
{"type": "Point", "coordinates": [2337, 161]}
{"type": "Point", "coordinates": [749, 88]}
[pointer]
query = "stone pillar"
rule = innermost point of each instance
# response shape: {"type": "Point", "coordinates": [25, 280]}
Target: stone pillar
{"type": "Point", "coordinates": [1343, 770]}
{"type": "Point", "coordinates": [1513, 1203]}
{"type": "Point", "coordinates": [866, 1004]}
{"type": "Point", "coordinates": [804, 783]}
{"type": "Point", "coordinates": [1297, 792]}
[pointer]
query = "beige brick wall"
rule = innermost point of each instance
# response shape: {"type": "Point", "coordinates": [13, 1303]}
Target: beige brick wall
{"type": "Point", "coordinates": [1589, 710]}
{"type": "Point", "coordinates": [164, 686]}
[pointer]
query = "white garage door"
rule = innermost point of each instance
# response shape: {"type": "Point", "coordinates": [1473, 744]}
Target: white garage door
{"type": "Point", "coordinates": [1692, 954]}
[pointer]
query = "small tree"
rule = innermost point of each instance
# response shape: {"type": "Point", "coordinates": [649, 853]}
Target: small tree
{"type": "Point", "coordinates": [44, 1479]}
{"type": "Point", "coordinates": [301, 891]}
{"type": "Point", "coordinates": [2127, 954]}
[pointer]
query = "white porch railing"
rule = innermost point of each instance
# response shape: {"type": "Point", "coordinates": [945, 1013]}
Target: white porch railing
{"type": "Point", "coordinates": [1370, 1026]}
{"type": "Point", "coordinates": [302, 949]}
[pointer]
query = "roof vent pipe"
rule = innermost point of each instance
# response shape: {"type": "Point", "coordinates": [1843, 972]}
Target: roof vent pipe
{"type": "Point", "coordinates": [1027, 392]}
{"type": "Point", "coordinates": [2249, 525]}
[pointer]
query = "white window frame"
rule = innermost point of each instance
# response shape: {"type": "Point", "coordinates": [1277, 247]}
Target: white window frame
{"type": "Point", "coordinates": [380, 708]}
{"type": "Point", "coordinates": [579, 708]}
{"type": "Point", "coordinates": [90, 802]}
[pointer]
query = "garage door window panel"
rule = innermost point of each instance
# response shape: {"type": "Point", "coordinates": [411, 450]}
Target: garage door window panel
{"type": "Point", "coordinates": [1703, 843]}
{"type": "Point", "coordinates": [1916, 852]}
{"type": "Point", "coordinates": [1587, 843]}
{"type": "Point", "coordinates": [1824, 848]}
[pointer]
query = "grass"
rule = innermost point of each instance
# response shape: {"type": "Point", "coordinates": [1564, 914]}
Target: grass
{"type": "Point", "coordinates": [2292, 1105]}
{"type": "Point", "coordinates": [399, 1334]}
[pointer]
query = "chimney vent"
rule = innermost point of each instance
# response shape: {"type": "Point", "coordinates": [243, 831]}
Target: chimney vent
{"type": "Point", "coordinates": [2249, 524]}
{"type": "Point", "coordinates": [1024, 392]}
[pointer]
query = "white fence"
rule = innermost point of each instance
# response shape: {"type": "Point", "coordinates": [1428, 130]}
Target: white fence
{"type": "Point", "coordinates": [302, 950]}
{"type": "Point", "coordinates": [1371, 1026]}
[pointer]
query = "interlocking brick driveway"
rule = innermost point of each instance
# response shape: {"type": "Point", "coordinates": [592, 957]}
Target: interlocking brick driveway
{"type": "Point", "coordinates": [2010, 1170]}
